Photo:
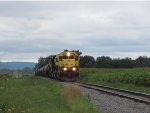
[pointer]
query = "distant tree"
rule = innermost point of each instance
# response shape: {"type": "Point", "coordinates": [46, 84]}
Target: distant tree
{"type": "Point", "coordinates": [41, 62]}
{"type": "Point", "coordinates": [116, 63]}
{"type": "Point", "coordinates": [87, 61]}
{"type": "Point", "coordinates": [142, 61]}
{"type": "Point", "coordinates": [126, 63]}
{"type": "Point", "coordinates": [123, 63]}
{"type": "Point", "coordinates": [104, 62]}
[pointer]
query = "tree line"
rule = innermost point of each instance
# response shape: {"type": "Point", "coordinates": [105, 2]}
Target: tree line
{"type": "Point", "coordinates": [104, 62]}
{"type": "Point", "coordinates": [108, 62]}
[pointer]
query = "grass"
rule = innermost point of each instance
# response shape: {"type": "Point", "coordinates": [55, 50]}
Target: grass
{"type": "Point", "coordinates": [35, 95]}
{"type": "Point", "coordinates": [136, 79]}
{"type": "Point", "coordinates": [78, 103]}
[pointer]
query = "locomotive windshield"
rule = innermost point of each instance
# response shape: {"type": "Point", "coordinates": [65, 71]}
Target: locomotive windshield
{"type": "Point", "coordinates": [68, 57]}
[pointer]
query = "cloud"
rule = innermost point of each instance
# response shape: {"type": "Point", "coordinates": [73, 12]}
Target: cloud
{"type": "Point", "coordinates": [31, 29]}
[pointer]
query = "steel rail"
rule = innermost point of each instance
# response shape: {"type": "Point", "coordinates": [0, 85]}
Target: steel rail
{"type": "Point", "coordinates": [114, 91]}
{"type": "Point", "coordinates": [136, 96]}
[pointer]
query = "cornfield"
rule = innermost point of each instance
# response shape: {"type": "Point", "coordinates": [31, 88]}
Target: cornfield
{"type": "Point", "coordinates": [137, 76]}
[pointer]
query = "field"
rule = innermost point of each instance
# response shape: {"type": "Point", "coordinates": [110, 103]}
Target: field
{"type": "Point", "coordinates": [136, 79]}
{"type": "Point", "coordinates": [35, 95]}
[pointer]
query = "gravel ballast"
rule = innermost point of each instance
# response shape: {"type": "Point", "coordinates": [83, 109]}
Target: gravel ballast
{"type": "Point", "coordinates": [114, 104]}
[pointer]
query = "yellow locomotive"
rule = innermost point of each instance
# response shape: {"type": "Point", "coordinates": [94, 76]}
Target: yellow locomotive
{"type": "Point", "coordinates": [63, 66]}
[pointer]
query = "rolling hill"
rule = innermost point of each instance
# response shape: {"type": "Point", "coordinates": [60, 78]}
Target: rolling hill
{"type": "Point", "coordinates": [16, 65]}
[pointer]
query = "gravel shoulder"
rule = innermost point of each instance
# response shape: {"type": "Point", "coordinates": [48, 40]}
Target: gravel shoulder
{"type": "Point", "coordinates": [114, 104]}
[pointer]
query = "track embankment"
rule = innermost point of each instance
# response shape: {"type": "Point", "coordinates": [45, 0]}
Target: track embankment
{"type": "Point", "coordinates": [136, 96]}
{"type": "Point", "coordinates": [113, 100]}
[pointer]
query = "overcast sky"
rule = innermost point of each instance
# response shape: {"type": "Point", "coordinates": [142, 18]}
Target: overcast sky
{"type": "Point", "coordinates": [29, 30]}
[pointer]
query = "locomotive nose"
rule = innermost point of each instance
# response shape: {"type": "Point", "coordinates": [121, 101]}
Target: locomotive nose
{"type": "Point", "coordinates": [69, 63]}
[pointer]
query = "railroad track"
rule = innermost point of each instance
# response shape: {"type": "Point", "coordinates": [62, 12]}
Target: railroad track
{"type": "Point", "coordinates": [136, 96]}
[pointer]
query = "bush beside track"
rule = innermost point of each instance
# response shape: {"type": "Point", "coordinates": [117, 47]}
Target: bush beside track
{"type": "Point", "coordinates": [137, 79]}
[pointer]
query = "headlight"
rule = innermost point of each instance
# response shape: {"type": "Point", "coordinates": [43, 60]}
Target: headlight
{"type": "Point", "coordinates": [65, 69]}
{"type": "Point", "coordinates": [74, 69]}
{"type": "Point", "coordinates": [68, 53]}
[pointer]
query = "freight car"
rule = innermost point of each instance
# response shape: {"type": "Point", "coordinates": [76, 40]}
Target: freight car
{"type": "Point", "coordinates": [63, 66]}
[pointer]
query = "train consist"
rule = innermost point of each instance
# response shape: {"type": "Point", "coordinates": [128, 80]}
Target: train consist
{"type": "Point", "coordinates": [63, 66]}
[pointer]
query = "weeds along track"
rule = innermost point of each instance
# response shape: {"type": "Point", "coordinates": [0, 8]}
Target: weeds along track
{"type": "Point", "coordinates": [136, 96]}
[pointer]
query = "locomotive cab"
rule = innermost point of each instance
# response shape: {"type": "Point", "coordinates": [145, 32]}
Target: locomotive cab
{"type": "Point", "coordinates": [68, 65]}
{"type": "Point", "coordinates": [69, 61]}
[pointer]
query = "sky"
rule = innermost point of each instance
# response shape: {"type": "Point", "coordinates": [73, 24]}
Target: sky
{"type": "Point", "coordinates": [29, 30]}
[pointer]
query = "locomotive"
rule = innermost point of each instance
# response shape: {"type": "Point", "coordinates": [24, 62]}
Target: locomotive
{"type": "Point", "coordinates": [63, 66]}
